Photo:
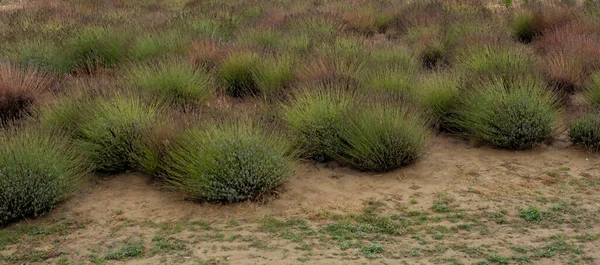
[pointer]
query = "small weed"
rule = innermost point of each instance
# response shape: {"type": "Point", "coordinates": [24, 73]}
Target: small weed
{"type": "Point", "coordinates": [131, 249]}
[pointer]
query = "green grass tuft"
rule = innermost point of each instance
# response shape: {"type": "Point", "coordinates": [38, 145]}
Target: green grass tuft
{"type": "Point", "coordinates": [586, 132]}
{"type": "Point", "coordinates": [514, 115]}
{"type": "Point", "coordinates": [237, 71]}
{"type": "Point", "coordinates": [37, 171]}
{"type": "Point", "coordinates": [315, 117]}
{"type": "Point", "coordinates": [98, 47]}
{"type": "Point", "coordinates": [173, 81]}
{"type": "Point", "coordinates": [228, 162]}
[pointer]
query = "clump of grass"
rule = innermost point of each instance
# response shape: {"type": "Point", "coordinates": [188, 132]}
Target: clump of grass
{"type": "Point", "coordinates": [487, 63]}
{"type": "Point", "coordinates": [110, 129]}
{"type": "Point", "coordinates": [315, 117]}
{"type": "Point", "coordinates": [381, 138]}
{"type": "Point", "coordinates": [586, 132]}
{"type": "Point", "coordinates": [98, 47]}
{"type": "Point", "coordinates": [155, 44]}
{"type": "Point", "coordinates": [206, 53]}
{"type": "Point", "coordinates": [237, 71]}
{"type": "Point", "coordinates": [37, 171]}
{"type": "Point", "coordinates": [438, 94]}
{"type": "Point", "coordinates": [19, 90]}
{"type": "Point", "coordinates": [273, 76]}
{"type": "Point", "coordinates": [266, 39]}
{"type": "Point", "coordinates": [228, 162]}
{"type": "Point", "coordinates": [390, 80]}
{"type": "Point", "coordinates": [40, 54]}
{"type": "Point", "coordinates": [64, 114]}
{"type": "Point", "coordinates": [174, 81]}
{"type": "Point", "coordinates": [593, 89]}
{"type": "Point", "coordinates": [523, 27]}
{"type": "Point", "coordinates": [513, 114]}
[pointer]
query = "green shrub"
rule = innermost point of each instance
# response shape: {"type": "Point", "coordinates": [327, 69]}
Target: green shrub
{"type": "Point", "coordinates": [438, 94]}
{"type": "Point", "coordinates": [381, 138]}
{"type": "Point", "coordinates": [37, 171]}
{"type": "Point", "coordinates": [593, 89]}
{"type": "Point", "coordinates": [232, 162]}
{"type": "Point", "coordinates": [586, 132]}
{"type": "Point", "coordinates": [523, 27]}
{"type": "Point", "coordinates": [315, 117]}
{"type": "Point", "coordinates": [40, 54]}
{"type": "Point", "coordinates": [174, 81]}
{"type": "Point", "coordinates": [273, 75]}
{"type": "Point", "coordinates": [110, 131]}
{"type": "Point", "coordinates": [98, 47]}
{"type": "Point", "coordinates": [515, 115]}
{"type": "Point", "coordinates": [237, 71]}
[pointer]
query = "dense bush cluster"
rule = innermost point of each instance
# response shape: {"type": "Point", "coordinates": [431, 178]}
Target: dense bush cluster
{"type": "Point", "coordinates": [155, 86]}
{"type": "Point", "coordinates": [37, 171]}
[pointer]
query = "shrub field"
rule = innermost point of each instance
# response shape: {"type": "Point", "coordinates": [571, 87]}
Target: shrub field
{"type": "Point", "coordinates": [222, 101]}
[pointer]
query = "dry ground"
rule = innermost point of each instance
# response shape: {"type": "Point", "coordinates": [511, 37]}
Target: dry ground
{"type": "Point", "coordinates": [460, 204]}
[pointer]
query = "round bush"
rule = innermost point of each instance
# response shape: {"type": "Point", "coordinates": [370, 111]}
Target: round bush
{"type": "Point", "coordinates": [586, 132]}
{"type": "Point", "coordinates": [381, 138]}
{"type": "Point", "coordinates": [315, 117]}
{"type": "Point", "coordinates": [438, 94]}
{"type": "Point", "coordinates": [513, 115]}
{"type": "Point", "coordinates": [237, 71]}
{"type": "Point", "coordinates": [174, 81]}
{"type": "Point", "coordinates": [110, 129]}
{"type": "Point", "coordinates": [37, 171]}
{"type": "Point", "coordinates": [228, 162]}
{"type": "Point", "coordinates": [523, 27]}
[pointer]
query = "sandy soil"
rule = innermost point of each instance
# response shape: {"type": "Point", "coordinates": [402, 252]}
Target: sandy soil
{"type": "Point", "coordinates": [479, 179]}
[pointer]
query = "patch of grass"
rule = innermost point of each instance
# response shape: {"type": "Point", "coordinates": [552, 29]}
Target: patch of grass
{"type": "Point", "coordinates": [438, 94]}
{"type": "Point", "coordinates": [381, 138]}
{"type": "Point", "coordinates": [228, 162]}
{"type": "Point", "coordinates": [98, 47]}
{"type": "Point", "coordinates": [40, 54]}
{"type": "Point", "coordinates": [371, 250]}
{"type": "Point", "coordinates": [315, 116]}
{"type": "Point", "coordinates": [531, 214]}
{"type": "Point", "coordinates": [173, 81]}
{"type": "Point", "coordinates": [515, 115]}
{"type": "Point", "coordinates": [392, 81]}
{"type": "Point", "coordinates": [37, 171]}
{"type": "Point", "coordinates": [110, 131]}
{"type": "Point", "coordinates": [523, 27]}
{"type": "Point", "coordinates": [237, 72]}
{"type": "Point", "coordinates": [130, 249]}
{"type": "Point", "coordinates": [586, 132]}
{"type": "Point", "coordinates": [273, 77]}
{"type": "Point", "coordinates": [593, 89]}
{"type": "Point", "coordinates": [156, 44]}
{"type": "Point", "coordinates": [19, 90]}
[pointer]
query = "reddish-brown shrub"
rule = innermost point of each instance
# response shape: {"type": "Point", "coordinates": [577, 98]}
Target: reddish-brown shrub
{"type": "Point", "coordinates": [206, 53]}
{"type": "Point", "coordinates": [565, 71]}
{"type": "Point", "coordinates": [19, 89]}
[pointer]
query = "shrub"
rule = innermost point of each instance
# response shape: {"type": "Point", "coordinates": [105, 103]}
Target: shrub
{"type": "Point", "coordinates": [593, 89]}
{"type": "Point", "coordinates": [111, 128]}
{"type": "Point", "coordinates": [98, 47]}
{"type": "Point", "coordinates": [19, 89]}
{"type": "Point", "coordinates": [42, 55]}
{"type": "Point", "coordinates": [438, 94]}
{"type": "Point", "coordinates": [510, 114]}
{"type": "Point", "coordinates": [586, 132]}
{"type": "Point", "coordinates": [63, 115]}
{"type": "Point", "coordinates": [273, 75]}
{"type": "Point", "coordinates": [381, 138]}
{"type": "Point", "coordinates": [228, 162]}
{"type": "Point", "coordinates": [565, 71]}
{"type": "Point", "coordinates": [174, 81]}
{"type": "Point", "coordinates": [237, 71]}
{"type": "Point", "coordinates": [37, 171]}
{"type": "Point", "coordinates": [315, 117]}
